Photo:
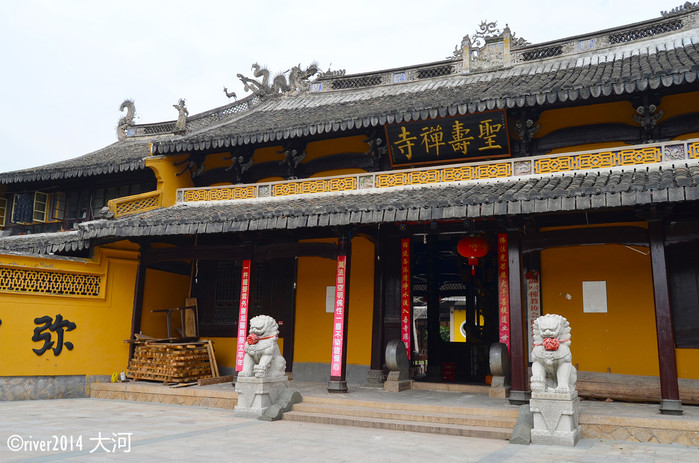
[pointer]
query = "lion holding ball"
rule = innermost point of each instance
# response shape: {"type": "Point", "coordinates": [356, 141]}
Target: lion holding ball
{"type": "Point", "coordinates": [552, 367]}
{"type": "Point", "coordinates": [262, 355]}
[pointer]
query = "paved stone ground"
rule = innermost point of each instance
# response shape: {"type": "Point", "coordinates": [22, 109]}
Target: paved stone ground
{"type": "Point", "coordinates": [157, 432]}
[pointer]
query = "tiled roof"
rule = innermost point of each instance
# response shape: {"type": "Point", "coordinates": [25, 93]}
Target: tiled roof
{"type": "Point", "coordinates": [122, 156]}
{"type": "Point", "coordinates": [651, 57]}
{"type": "Point", "coordinates": [662, 183]}
{"type": "Point", "coordinates": [45, 243]}
{"type": "Point", "coordinates": [662, 61]}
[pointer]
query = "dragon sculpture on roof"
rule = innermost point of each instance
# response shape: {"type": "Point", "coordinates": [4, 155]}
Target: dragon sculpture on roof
{"type": "Point", "coordinates": [298, 81]}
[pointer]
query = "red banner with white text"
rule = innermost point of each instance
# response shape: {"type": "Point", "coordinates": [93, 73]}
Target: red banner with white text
{"type": "Point", "coordinates": [503, 290]}
{"type": "Point", "coordinates": [243, 315]}
{"type": "Point", "coordinates": [339, 317]}
{"type": "Point", "coordinates": [405, 296]}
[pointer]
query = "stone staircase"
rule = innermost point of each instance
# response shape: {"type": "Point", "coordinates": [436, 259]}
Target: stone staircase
{"type": "Point", "coordinates": [633, 422]}
{"type": "Point", "coordinates": [456, 421]}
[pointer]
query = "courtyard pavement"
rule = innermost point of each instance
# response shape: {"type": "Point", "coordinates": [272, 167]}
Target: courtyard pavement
{"type": "Point", "coordinates": [111, 430]}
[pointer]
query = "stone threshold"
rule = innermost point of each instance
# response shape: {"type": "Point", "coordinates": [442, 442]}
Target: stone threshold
{"type": "Point", "coordinates": [213, 396]}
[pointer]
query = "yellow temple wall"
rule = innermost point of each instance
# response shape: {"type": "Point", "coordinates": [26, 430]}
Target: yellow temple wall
{"type": "Point", "coordinates": [166, 172]}
{"type": "Point", "coordinates": [687, 363]}
{"type": "Point", "coordinates": [620, 112]}
{"type": "Point", "coordinates": [459, 318]}
{"type": "Point", "coordinates": [102, 317]}
{"type": "Point", "coordinates": [162, 290]}
{"type": "Point", "coordinates": [225, 349]}
{"type": "Point", "coordinates": [606, 113]}
{"type": "Point", "coordinates": [623, 340]}
{"type": "Point", "coordinates": [313, 329]}
{"type": "Point", "coordinates": [319, 149]}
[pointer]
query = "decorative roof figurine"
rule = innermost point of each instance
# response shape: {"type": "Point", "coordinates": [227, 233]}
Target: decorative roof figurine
{"type": "Point", "coordinates": [298, 80]}
{"type": "Point", "coordinates": [687, 6]}
{"type": "Point", "coordinates": [489, 49]}
{"type": "Point", "coordinates": [126, 121]}
{"type": "Point", "coordinates": [331, 73]}
{"type": "Point", "coordinates": [182, 114]}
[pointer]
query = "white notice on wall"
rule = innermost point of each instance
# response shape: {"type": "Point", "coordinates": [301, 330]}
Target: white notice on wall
{"type": "Point", "coordinates": [330, 299]}
{"type": "Point", "coordinates": [594, 296]}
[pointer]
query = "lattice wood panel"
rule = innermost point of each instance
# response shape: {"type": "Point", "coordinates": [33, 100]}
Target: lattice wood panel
{"type": "Point", "coordinates": [49, 282]}
{"type": "Point", "coordinates": [136, 203]}
{"type": "Point", "coordinates": [694, 150]}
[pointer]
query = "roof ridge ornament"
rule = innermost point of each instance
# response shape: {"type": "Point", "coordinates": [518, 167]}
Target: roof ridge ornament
{"type": "Point", "coordinates": [330, 73]}
{"type": "Point", "coordinates": [684, 8]}
{"type": "Point", "coordinates": [487, 33]}
{"type": "Point", "coordinates": [126, 122]}
{"type": "Point", "coordinates": [298, 81]}
{"type": "Point", "coordinates": [182, 114]}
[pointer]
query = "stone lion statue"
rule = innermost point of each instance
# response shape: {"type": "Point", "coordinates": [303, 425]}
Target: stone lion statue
{"type": "Point", "coordinates": [262, 356]}
{"type": "Point", "coordinates": [552, 367]}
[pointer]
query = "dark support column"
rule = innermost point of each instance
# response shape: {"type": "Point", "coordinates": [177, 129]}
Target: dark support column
{"type": "Point", "coordinates": [138, 300]}
{"type": "Point", "coordinates": [338, 382]}
{"type": "Point", "coordinates": [375, 377]}
{"type": "Point", "coordinates": [290, 340]}
{"type": "Point", "coordinates": [670, 403]}
{"type": "Point", "coordinates": [519, 394]}
{"type": "Point", "coordinates": [434, 339]}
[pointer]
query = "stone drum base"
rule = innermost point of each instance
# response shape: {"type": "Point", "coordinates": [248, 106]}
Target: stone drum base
{"type": "Point", "coordinates": [256, 395]}
{"type": "Point", "coordinates": [555, 418]}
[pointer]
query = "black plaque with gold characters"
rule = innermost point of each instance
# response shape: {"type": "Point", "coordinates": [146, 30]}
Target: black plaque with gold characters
{"type": "Point", "coordinates": [451, 139]}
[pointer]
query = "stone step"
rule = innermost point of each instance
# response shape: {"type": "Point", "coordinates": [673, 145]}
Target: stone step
{"type": "Point", "coordinates": [433, 417]}
{"type": "Point", "coordinates": [451, 387]}
{"type": "Point", "coordinates": [208, 396]}
{"type": "Point", "coordinates": [505, 411]}
{"type": "Point", "coordinates": [401, 425]}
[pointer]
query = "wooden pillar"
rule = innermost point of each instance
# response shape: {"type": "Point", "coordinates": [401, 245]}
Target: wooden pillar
{"type": "Point", "coordinates": [519, 393]}
{"type": "Point", "coordinates": [138, 299]}
{"type": "Point", "coordinates": [338, 359]}
{"type": "Point", "coordinates": [434, 339]}
{"type": "Point", "coordinates": [290, 340]}
{"type": "Point", "coordinates": [670, 403]}
{"type": "Point", "coordinates": [375, 377]}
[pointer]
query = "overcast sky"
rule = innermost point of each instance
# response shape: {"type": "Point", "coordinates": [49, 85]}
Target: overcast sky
{"type": "Point", "coordinates": [67, 65]}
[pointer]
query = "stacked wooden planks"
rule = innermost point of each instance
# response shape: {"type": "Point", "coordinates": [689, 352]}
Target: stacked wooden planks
{"type": "Point", "coordinates": [172, 362]}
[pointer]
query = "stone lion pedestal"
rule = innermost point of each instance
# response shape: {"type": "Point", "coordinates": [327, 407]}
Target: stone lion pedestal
{"type": "Point", "coordinates": [554, 402]}
{"type": "Point", "coordinates": [555, 418]}
{"type": "Point", "coordinates": [256, 395]}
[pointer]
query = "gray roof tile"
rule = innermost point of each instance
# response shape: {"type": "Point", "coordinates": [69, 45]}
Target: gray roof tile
{"type": "Point", "coordinates": [122, 156]}
{"type": "Point", "coordinates": [528, 195]}
{"type": "Point", "coordinates": [666, 61]}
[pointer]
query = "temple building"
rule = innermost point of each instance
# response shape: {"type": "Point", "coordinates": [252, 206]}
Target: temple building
{"type": "Point", "coordinates": [446, 204]}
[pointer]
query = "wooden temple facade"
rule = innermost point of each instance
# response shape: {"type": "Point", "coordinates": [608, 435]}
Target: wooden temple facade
{"type": "Point", "coordinates": [342, 205]}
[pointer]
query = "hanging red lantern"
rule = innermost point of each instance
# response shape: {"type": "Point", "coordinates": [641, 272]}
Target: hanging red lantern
{"type": "Point", "coordinates": [472, 248]}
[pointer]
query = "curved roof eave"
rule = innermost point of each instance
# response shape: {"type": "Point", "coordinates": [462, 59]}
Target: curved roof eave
{"type": "Point", "coordinates": [122, 156]}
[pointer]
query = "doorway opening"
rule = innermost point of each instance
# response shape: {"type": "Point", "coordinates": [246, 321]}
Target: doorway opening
{"type": "Point", "coordinates": [455, 309]}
